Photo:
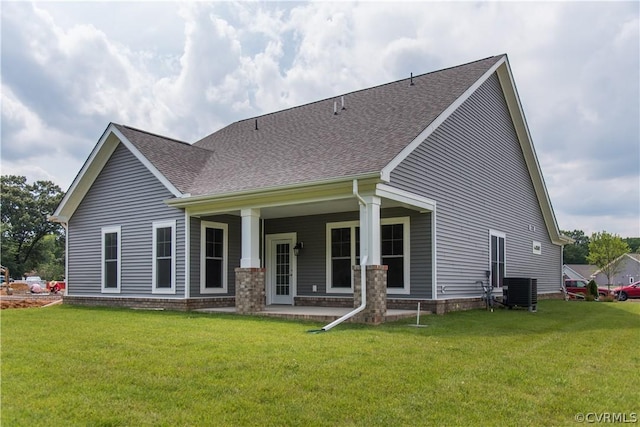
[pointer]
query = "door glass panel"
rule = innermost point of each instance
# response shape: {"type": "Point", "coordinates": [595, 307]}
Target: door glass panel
{"type": "Point", "coordinates": [283, 268]}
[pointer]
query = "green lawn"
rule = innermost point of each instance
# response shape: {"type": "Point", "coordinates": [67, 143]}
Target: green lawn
{"type": "Point", "coordinates": [65, 366]}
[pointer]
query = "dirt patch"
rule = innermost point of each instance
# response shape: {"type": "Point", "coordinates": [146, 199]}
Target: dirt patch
{"type": "Point", "coordinates": [22, 298]}
{"type": "Point", "coordinates": [21, 303]}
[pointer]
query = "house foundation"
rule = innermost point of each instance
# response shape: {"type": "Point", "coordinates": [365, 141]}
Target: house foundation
{"type": "Point", "coordinates": [375, 311]}
{"type": "Point", "coordinates": [250, 290]}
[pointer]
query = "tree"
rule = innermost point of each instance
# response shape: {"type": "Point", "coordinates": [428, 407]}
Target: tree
{"type": "Point", "coordinates": [576, 253]}
{"type": "Point", "coordinates": [24, 211]}
{"type": "Point", "coordinates": [605, 251]}
{"type": "Point", "coordinates": [634, 244]}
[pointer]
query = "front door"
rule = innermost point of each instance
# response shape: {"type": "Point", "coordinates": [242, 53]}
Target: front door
{"type": "Point", "coordinates": [281, 269]}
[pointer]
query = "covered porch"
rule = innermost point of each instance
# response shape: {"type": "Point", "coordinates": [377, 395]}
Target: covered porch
{"type": "Point", "coordinates": [283, 241]}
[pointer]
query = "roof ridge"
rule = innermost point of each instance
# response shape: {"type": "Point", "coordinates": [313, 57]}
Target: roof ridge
{"type": "Point", "coordinates": [154, 134]}
{"type": "Point", "coordinates": [353, 92]}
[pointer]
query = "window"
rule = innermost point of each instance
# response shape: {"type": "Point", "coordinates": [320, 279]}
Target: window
{"type": "Point", "coordinates": [392, 237]}
{"type": "Point", "coordinates": [164, 259]}
{"type": "Point", "coordinates": [343, 251]}
{"type": "Point", "coordinates": [213, 263]}
{"type": "Point", "coordinates": [497, 252]}
{"type": "Point", "coordinates": [342, 254]}
{"type": "Point", "coordinates": [341, 257]}
{"type": "Point", "coordinates": [111, 259]}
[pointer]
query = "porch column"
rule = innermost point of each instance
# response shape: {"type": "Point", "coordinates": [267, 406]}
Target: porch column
{"type": "Point", "coordinates": [376, 274]}
{"type": "Point", "coordinates": [376, 309]}
{"type": "Point", "coordinates": [370, 230]}
{"type": "Point", "coordinates": [250, 290]}
{"type": "Point", "coordinates": [250, 238]}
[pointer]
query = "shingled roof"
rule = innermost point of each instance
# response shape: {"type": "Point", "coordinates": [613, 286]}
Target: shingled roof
{"type": "Point", "coordinates": [306, 144]}
{"type": "Point", "coordinates": [178, 161]}
{"type": "Point", "coordinates": [310, 143]}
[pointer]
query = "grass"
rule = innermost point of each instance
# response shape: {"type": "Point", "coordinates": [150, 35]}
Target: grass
{"type": "Point", "coordinates": [78, 366]}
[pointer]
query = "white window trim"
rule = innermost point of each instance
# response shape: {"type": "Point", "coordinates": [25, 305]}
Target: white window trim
{"type": "Point", "coordinates": [154, 286]}
{"type": "Point", "coordinates": [104, 231]}
{"type": "Point", "coordinates": [504, 236]}
{"type": "Point", "coordinates": [225, 258]}
{"type": "Point", "coordinates": [406, 221]}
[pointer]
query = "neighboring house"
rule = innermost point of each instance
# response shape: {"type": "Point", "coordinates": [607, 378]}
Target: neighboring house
{"type": "Point", "coordinates": [579, 271]}
{"type": "Point", "coordinates": [432, 182]}
{"type": "Point", "coordinates": [628, 272]}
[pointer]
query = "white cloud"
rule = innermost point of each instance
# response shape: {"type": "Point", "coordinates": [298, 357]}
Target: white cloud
{"type": "Point", "coordinates": [187, 69]}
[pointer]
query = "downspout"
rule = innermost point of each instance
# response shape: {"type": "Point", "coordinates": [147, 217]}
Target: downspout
{"type": "Point", "coordinates": [363, 274]}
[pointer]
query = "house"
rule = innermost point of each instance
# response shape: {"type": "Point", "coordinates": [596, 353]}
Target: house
{"type": "Point", "coordinates": [431, 182]}
{"type": "Point", "coordinates": [627, 272]}
{"type": "Point", "coordinates": [579, 271]}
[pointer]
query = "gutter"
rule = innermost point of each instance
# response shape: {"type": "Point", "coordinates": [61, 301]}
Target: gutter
{"type": "Point", "coordinates": [363, 275]}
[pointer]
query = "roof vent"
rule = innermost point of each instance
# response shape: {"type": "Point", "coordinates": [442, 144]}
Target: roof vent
{"type": "Point", "coordinates": [256, 124]}
{"type": "Point", "coordinates": [335, 108]}
{"type": "Point", "coordinates": [343, 107]}
{"type": "Point", "coordinates": [411, 84]}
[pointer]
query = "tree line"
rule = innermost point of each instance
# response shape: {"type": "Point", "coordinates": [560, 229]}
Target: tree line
{"type": "Point", "coordinates": [30, 242]}
{"type": "Point", "coordinates": [579, 251]}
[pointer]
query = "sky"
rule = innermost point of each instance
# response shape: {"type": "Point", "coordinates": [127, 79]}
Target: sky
{"type": "Point", "coordinates": [185, 70]}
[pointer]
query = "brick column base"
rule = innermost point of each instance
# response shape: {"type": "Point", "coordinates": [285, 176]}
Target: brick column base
{"type": "Point", "coordinates": [250, 291]}
{"type": "Point", "coordinates": [376, 308]}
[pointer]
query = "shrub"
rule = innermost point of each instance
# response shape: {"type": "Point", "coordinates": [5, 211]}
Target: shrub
{"type": "Point", "coordinates": [592, 288]}
{"type": "Point", "coordinates": [589, 297]}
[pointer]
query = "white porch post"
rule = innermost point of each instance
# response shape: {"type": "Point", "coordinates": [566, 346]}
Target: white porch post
{"type": "Point", "coordinates": [250, 238]}
{"type": "Point", "coordinates": [370, 243]}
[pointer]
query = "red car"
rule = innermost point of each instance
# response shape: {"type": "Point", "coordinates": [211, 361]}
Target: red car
{"type": "Point", "coordinates": [629, 291]}
{"type": "Point", "coordinates": [579, 286]}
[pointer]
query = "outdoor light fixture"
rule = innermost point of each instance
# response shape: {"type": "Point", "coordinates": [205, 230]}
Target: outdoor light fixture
{"type": "Point", "coordinates": [297, 247]}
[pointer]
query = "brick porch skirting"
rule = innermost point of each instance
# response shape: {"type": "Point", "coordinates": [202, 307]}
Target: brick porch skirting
{"type": "Point", "coordinates": [150, 303]}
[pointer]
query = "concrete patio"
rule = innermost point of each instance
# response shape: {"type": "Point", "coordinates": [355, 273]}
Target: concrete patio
{"type": "Point", "coordinates": [318, 314]}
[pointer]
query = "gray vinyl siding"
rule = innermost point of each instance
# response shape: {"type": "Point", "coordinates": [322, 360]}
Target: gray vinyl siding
{"type": "Point", "coordinates": [233, 256]}
{"type": "Point", "coordinates": [124, 194]}
{"type": "Point", "coordinates": [474, 168]}
{"type": "Point", "coordinates": [628, 272]}
{"type": "Point", "coordinates": [311, 264]}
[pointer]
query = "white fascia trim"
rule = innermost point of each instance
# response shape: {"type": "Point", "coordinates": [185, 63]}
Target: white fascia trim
{"type": "Point", "coordinates": [526, 143]}
{"type": "Point", "coordinates": [92, 167]}
{"type": "Point", "coordinates": [159, 176]}
{"type": "Point", "coordinates": [104, 156]}
{"type": "Point", "coordinates": [386, 171]}
{"type": "Point", "coordinates": [388, 192]}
